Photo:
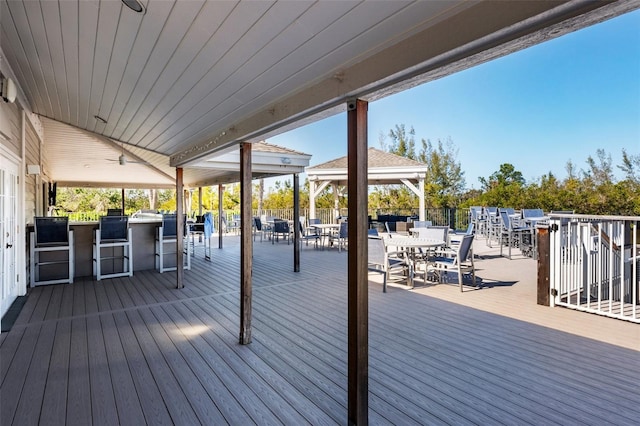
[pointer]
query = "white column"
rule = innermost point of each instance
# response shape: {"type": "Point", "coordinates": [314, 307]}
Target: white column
{"type": "Point", "coordinates": [312, 199]}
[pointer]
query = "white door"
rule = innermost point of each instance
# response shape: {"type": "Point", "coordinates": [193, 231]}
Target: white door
{"type": "Point", "coordinates": [8, 227]}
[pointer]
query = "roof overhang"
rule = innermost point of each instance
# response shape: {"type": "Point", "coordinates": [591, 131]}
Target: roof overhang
{"type": "Point", "coordinates": [78, 158]}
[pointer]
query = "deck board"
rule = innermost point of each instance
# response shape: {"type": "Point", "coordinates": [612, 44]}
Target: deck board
{"type": "Point", "coordinates": [214, 349]}
{"type": "Point", "coordinates": [36, 379]}
{"type": "Point", "coordinates": [179, 406]}
{"type": "Point", "coordinates": [230, 409]}
{"type": "Point", "coordinates": [54, 403]}
{"type": "Point", "coordinates": [103, 403]}
{"type": "Point", "coordinates": [151, 400]}
{"type": "Point", "coordinates": [79, 389]}
{"type": "Point", "coordinates": [136, 350]}
{"type": "Point", "coordinates": [126, 397]}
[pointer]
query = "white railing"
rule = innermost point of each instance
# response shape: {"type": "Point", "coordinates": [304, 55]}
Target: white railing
{"type": "Point", "coordinates": [595, 264]}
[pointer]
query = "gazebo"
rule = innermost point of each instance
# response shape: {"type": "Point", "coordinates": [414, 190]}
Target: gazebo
{"type": "Point", "coordinates": [384, 169]}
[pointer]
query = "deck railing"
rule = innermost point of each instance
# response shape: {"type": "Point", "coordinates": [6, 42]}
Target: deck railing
{"type": "Point", "coordinates": [595, 264]}
{"type": "Point", "coordinates": [455, 218]}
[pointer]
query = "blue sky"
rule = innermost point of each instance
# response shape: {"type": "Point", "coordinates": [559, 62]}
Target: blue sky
{"type": "Point", "coordinates": [536, 109]}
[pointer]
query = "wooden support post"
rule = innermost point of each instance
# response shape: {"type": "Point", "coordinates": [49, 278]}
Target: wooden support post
{"type": "Point", "coordinates": [296, 223]}
{"type": "Point", "coordinates": [544, 266]}
{"type": "Point", "coordinates": [199, 201]}
{"type": "Point", "coordinates": [358, 296]}
{"type": "Point", "coordinates": [180, 229]}
{"type": "Point", "coordinates": [220, 213]}
{"type": "Point", "coordinates": [246, 243]}
{"type": "Point", "coordinates": [123, 213]}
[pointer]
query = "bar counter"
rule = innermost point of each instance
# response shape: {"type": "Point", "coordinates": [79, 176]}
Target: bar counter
{"type": "Point", "coordinates": [143, 231]}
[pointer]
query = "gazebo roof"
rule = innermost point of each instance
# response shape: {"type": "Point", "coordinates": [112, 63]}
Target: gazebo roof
{"type": "Point", "coordinates": [384, 168]}
{"type": "Point", "coordinates": [377, 158]}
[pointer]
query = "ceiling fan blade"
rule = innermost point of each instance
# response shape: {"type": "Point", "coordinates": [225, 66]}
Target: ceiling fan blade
{"type": "Point", "coordinates": [123, 160]}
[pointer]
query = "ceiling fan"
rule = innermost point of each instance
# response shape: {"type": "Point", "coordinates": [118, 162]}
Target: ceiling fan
{"type": "Point", "coordinates": [123, 160]}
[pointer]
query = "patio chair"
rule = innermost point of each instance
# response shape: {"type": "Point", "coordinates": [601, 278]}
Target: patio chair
{"type": "Point", "coordinates": [510, 233]}
{"type": "Point", "coordinates": [459, 260]}
{"type": "Point", "coordinates": [422, 223]}
{"type": "Point", "coordinates": [526, 213]}
{"type": "Point", "coordinates": [307, 234]}
{"type": "Point", "coordinates": [341, 236]}
{"type": "Point", "coordinates": [493, 224]}
{"type": "Point", "coordinates": [455, 238]}
{"type": "Point", "coordinates": [167, 233]}
{"type": "Point", "coordinates": [113, 233]}
{"type": "Point", "coordinates": [380, 260]}
{"type": "Point", "coordinates": [257, 228]}
{"type": "Point", "coordinates": [51, 234]}
{"type": "Point", "coordinates": [195, 228]}
{"type": "Point", "coordinates": [433, 233]}
{"type": "Point", "coordinates": [280, 227]}
{"type": "Point", "coordinates": [235, 224]}
{"type": "Point", "coordinates": [440, 233]}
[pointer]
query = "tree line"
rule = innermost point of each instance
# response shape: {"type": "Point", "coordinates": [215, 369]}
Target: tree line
{"type": "Point", "coordinates": [592, 190]}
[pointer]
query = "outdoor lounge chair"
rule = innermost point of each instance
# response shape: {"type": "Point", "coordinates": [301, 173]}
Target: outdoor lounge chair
{"type": "Point", "coordinates": [459, 260]}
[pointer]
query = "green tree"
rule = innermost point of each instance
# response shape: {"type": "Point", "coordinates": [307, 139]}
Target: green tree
{"type": "Point", "coordinates": [600, 172]}
{"type": "Point", "coordinates": [444, 182]}
{"type": "Point", "coordinates": [504, 188]}
{"type": "Point", "coordinates": [630, 166]}
{"type": "Point", "coordinates": [505, 176]}
{"type": "Point", "coordinates": [402, 142]}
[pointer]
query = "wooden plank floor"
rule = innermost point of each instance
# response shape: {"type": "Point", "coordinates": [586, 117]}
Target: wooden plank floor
{"type": "Point", "coordinates": [138, 351]}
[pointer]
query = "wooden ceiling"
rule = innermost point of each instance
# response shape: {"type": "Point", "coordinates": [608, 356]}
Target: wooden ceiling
{"type": "Point", "coordinates": [185, 79]}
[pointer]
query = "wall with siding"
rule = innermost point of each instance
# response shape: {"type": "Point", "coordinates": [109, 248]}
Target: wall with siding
{"type": "Point", "coordinates": [31, 182]}
{"type": "Point", "coordinates": [10, 127]}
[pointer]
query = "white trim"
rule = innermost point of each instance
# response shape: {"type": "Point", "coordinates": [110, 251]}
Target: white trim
{"type": "Point", "coordinates": [21, 261]}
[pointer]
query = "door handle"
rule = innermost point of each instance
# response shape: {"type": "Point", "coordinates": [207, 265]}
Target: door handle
{"type": "Point", "coordinates": [9, 245]}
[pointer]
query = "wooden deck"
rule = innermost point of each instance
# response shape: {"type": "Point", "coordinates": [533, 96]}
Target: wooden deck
{"type": "Point", "coordinates": [137, 351]}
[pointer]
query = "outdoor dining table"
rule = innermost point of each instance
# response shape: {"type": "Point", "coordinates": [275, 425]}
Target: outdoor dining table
{"type": "Point", "coordinates": [326, 230]}
{"type": "Point", "coordinates": [412, 244]}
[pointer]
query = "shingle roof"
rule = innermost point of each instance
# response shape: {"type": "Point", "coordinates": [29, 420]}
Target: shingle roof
{"type": "Point", "coordinates": [376, 157]}
{"type": "Point", "coordinates": [267, 147]}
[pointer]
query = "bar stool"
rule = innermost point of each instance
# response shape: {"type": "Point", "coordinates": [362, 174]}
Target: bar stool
{"type": "Point", "coordinates": [51, 234]}
{"type": "Point", "coordinates": [167, 234]}
{"type": "Point", "coordinates": [113, 232]}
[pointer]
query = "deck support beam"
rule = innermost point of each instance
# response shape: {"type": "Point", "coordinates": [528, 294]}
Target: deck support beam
{"type": "Point", "coordinates": [179, 228]}
{"type": "Point", "coordinates": [220, 195]}
{"type": "Point", "coordinates": [358, 296]}
{"type": "Point", "coordinates": [544, 266]}
{"type": "Point", "coordinates": [246, 241]}
{"type": "Point", "coordinates": [296, 222]}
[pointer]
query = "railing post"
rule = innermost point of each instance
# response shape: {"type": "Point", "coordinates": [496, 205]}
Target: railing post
{"type": "Point", "coordinates": [543, 244]}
